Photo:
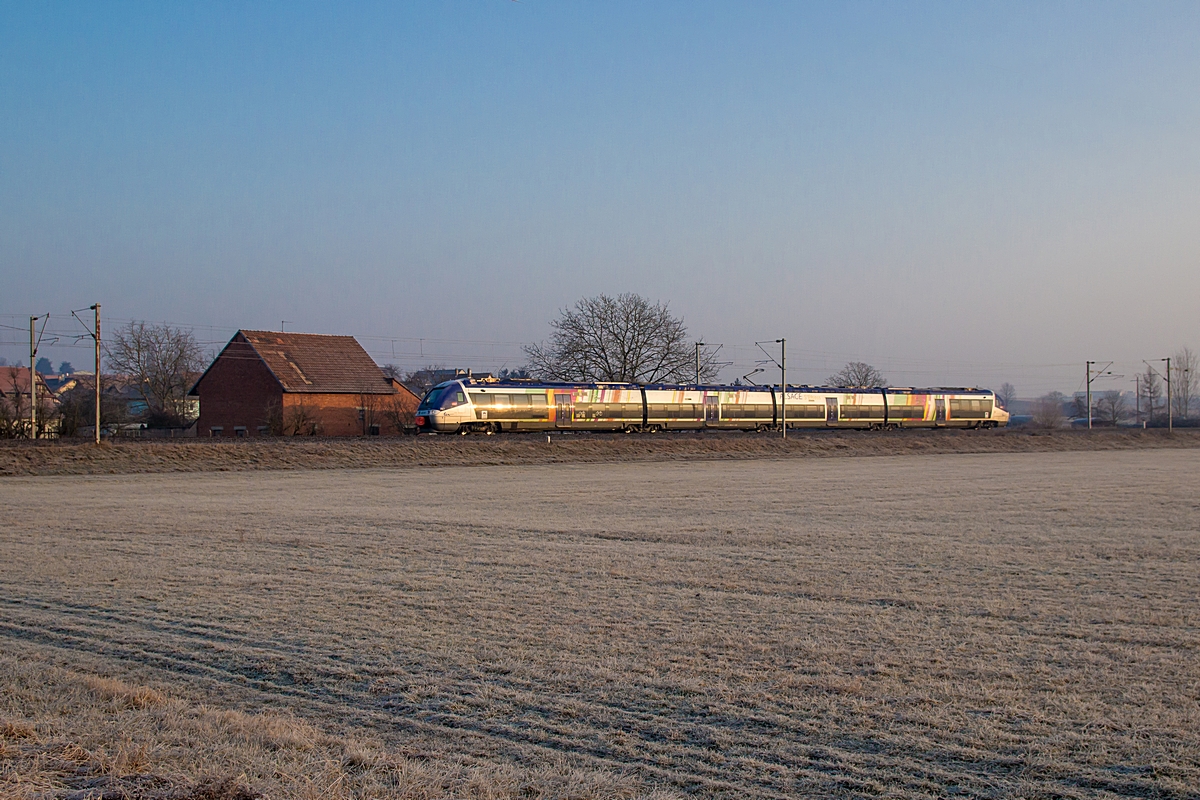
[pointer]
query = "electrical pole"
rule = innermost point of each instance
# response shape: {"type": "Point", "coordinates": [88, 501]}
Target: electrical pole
{"type": "Point", "coordinates": [96, 336]}
{"type": "Point", "coordinates": [32, 379]}
{"type": "Point", "coordinates": [1170, 422]}
{"type": "Point", "coordinates": [783, 384]}
{"type": "Point", "coordinates": [1137, 398]}
{"type": "Point", "coordinates": [1089, 392]}
{"type": "Point", "coordinates": [1099, 373]}
{"type": "Point", "coordinates": [698, 346]}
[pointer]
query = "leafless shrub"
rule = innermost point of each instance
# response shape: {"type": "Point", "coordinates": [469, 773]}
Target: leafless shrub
{"type": "Point", "coordinates": [624, 338]}
{"type": "Point", "coordinates": [1048, 411]}
{"type": "Point", "coordinates": [399, 413]}
{"type": "Point", "coordinates": [300, 419]}
{"type": "Point", "coordinates": [273, 418]}
{"type": "Point", "coordinates": [859, 375]}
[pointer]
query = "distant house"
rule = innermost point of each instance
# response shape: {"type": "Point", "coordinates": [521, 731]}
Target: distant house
{"type": "Point", "coordinates": [299, 384]}
{"type": "Point", "coordinates": [15, 400]}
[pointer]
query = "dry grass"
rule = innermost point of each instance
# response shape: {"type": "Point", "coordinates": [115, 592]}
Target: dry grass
{"type": "Point", "coordinates": [209, 455]}
{"type": "Point", "coordinates": [73, 735]}
{"type": "Point", "coordinates": [1006, 625]}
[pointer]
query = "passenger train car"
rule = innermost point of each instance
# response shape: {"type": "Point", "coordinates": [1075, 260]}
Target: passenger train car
{"type": "Point", "coordinates": [491, 406]}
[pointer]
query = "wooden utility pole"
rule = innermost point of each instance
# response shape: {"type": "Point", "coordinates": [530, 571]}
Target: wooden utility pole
{"type": "Point", "coordinates": [1170, 421]}
{"type": "Point", "coordinates": [1137, 399]}
{"type": "Point", "coordinates": [783, 384]}
{"type": "Point", "coordinates": [32, 379]}
{"type": "Point", "coordinates": [1089, 393]}
{"type": "Point", "coordinates": [96, 336]}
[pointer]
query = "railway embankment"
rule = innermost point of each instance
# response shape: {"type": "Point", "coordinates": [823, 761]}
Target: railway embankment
{"type": "Point", "coordinates": [131, 456]}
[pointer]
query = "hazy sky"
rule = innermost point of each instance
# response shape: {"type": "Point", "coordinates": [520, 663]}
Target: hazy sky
{"type": "Point", "coordinates": [960, 193]}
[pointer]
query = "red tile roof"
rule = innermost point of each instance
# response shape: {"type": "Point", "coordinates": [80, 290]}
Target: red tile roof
{"type": "Point", "coordinates": [16, 379]}
{"type": "Point", "coordinates": [311, 362]}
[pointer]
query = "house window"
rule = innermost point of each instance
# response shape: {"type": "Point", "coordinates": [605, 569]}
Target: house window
{"type": "Point", "coordinates": [373, 430]}
{"type": "Point", "coordinates": [239, 431]}
{"type": "Point", "coordinates": [216, 431]}
{"type": "Point", "coordinates": [263, 430]}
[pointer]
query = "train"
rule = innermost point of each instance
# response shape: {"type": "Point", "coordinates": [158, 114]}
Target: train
{"type": "Point", "coordinates": [488, 405]}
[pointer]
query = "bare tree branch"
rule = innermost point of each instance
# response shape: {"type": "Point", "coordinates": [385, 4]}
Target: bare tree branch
{"type": "Point", "coordinates": [1185, 381]}
{"type": "Point", "coordinates": [163, 361]}
{"type": "Point", "coordinates": [1006, 394]}
{"type": "Point", "coordinates": [858, 375]}
{"type": "Point", "coordinates": [624, 338]}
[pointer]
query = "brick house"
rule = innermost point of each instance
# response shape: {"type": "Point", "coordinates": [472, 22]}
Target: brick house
{"type": "Point", "coordinates": [299, 384]}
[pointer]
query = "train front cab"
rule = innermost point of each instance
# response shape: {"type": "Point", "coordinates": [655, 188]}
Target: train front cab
{"type": "Point", "coordinates": [444, 409]}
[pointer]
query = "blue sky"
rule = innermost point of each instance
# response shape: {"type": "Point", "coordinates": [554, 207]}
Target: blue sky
{"type": "Point", "coordinates": [959, 193]}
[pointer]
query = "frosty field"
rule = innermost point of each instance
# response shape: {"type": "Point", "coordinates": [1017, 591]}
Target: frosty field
{"type": "Point", "coordinates": [988, 625]}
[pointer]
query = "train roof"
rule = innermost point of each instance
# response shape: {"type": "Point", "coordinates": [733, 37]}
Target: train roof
{"type": "Point", "coordinates": [529, 383]}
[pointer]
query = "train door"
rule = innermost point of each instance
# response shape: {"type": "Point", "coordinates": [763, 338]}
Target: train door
{"type": "Point", "coordinates": [712, 409]}
{"type": "Point", "coordinates": [562, 409]}
{"type": "Point", "coordinates": [939, 411]}
{"type": "Point", "coordinates": [831, 411]}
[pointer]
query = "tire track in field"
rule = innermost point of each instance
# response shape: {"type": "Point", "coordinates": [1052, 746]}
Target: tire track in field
{"type": "Point", "coordinates": [767, 761]}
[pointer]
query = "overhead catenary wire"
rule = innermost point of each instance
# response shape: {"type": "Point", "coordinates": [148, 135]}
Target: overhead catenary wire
{"type": "Point", "coordinates": [419, 352]}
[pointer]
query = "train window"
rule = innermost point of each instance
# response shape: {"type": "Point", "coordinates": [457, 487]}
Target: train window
{"type": "Point", "coordinates": [861, 412]}
{"type": "Point", "coordinates": [969, 408]}
{"type": "Point", "coordinates": [430, 399]}
{"type": "Point", "coordinates": [452, 396]}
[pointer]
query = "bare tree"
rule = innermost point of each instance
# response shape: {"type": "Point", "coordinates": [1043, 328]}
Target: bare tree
{"type": "Point", "coordinates": [1112, 408]}
{"type": "Point", "coordinates": [1048, 410]}
{"type": "Point", "coordinates": [1079, 406]}
{"type": "Point", "coordinates": [1185, 381]}
{"type": "Point", "coordinates": [418, 381]}
{"type": "Point", "coordinates": [1152, 394]}
{"type": "Point", "coordinates": [1006, 394]}
{"type": "Point", "coordinates": [624, 338]}
{"type": "Point", "coordinates": [300, 420]}
{"type": "Point", "coordinates": [858, 375]}
{"type": "Point", "coordinates": [162, 361]}
{"type": "Point", "coordinates": [77, 407]}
